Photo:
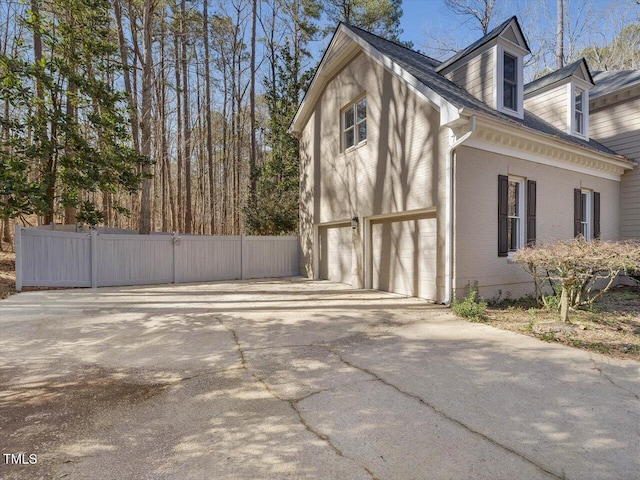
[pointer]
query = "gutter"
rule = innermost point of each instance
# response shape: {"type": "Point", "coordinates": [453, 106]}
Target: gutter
{"type": "Point", "coordinates": [449, 182]}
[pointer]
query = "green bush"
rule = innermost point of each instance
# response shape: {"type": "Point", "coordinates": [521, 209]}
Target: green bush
{"type": "Point", "coordinates": [470, 307]}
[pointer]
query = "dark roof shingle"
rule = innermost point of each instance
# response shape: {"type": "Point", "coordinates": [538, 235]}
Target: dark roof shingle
{"type": "Point", "coordinates": [608, 82]}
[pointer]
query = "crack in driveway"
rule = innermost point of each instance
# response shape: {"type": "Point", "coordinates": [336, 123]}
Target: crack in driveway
{"type": "Point", "coordinates": [292, 403]}
{"type": "Point", "coordinates": [445, 416]}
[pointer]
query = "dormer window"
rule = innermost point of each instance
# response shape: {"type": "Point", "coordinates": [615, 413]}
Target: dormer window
{"type": "Point", "coordinates": [578, 110]}
{"type": "Point", "coordinates": [510, 82]}
{"type": "Point", "coordinates": [509, 85]}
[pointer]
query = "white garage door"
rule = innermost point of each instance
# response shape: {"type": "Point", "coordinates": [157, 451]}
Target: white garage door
{"type": "Point", "coordinates": [404, 257]}
{"type": "Point", "coordinates": [336, 245]}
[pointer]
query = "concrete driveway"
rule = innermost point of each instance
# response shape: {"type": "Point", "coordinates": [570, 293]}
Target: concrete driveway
{"type": "Point", "coordinates": [301, 380]}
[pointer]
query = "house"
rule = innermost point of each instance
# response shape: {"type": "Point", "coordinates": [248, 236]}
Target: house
{"type": "Point", "coordinates": [423, 177]}
{"type": "Point", "coordinates": [614, 104]}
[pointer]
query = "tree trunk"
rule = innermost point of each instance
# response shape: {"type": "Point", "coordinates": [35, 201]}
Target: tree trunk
{"type": "Point", "coordinates": [207, 104]}
{"type": "Point", "coordinates": [144, 225]}
{"type": "Point", "coordinates": [564, 305]}
{"type": "Point", "coordinates": [252, 100]}
{"type": "Point", "coordinates": [186, 124]}
{"type": "Point", "coordinates": [178, 227]}
{"type": "Point", "coordinates": [560, 34]}
{"type": "Point", "coordinates": [124, 55]}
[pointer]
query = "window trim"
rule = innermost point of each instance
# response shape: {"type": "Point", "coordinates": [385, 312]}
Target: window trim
{"type": "Point", "coordinates": [572, 88]}
{"type": "Point", "coordinates": [587, 214]}
{"type": "Point", "coordinates": [343, 129]}
{"type": "Point", "coordinates": [501, 51]}
{"type": "Point", "coordinates": [521, 243]}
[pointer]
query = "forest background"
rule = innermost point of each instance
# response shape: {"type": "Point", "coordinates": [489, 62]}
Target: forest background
{"type": "Point", "coordinates": [173, 115]}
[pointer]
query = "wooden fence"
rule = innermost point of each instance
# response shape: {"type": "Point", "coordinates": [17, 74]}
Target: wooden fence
{"type": "Point", "coordinates": [67, 259]}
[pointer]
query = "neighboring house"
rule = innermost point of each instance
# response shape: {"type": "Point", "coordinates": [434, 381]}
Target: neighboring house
{"type": "Point", "coordinates": [421, 177]}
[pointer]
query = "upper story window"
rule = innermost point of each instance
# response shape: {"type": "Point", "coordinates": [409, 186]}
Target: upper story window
{"type": "Point", "coordinates": [354, 123]}
{"type": "Point", "coordinates": [578, 110]}
{"type": "Point", "coordinates": [510, 82]}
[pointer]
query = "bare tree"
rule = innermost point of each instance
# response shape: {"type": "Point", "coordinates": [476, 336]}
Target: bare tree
{"type": "Point", "coordinates": [144, 225]}
{"type": "Point", "coordinates": [479, 12]}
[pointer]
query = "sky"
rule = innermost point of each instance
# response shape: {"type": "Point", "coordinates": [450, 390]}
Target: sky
{"type": "Point", "coordinates": [423, 16]}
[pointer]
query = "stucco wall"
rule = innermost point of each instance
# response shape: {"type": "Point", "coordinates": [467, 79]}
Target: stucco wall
{"type": "Point", "coordinates": [476, 217]}
{"type": "Point", "coordinates": [618, 127]}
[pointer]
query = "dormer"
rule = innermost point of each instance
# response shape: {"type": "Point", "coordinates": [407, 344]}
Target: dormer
{"type": "Point", "coordinates": [561, 98]}
{"type": "Point", "coordinates": [491, 68]}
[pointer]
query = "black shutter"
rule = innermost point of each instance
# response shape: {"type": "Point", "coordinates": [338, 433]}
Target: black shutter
{"type": "Point", "coordinates": [503, 215]}
{"type": "Point", "coordinates": [596, 214]}
{"type": "Point", "coordinates": [531, 212]}
{"type": "Point", "coordinates": [577, 211]}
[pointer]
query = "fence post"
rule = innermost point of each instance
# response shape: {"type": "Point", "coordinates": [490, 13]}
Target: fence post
{"type": "Point", "coordinates": [241, 257]}
{"type": "Point", "coordinates": [174, 242]}
{"type": "Point", "coordinates": [94, 259]}
{"type": "Point", "coordinates": [17, 240]}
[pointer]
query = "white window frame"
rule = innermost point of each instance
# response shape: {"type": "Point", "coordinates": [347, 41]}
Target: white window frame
{"type": "Point", "coordinates": [572, 89]}
{"type": "Point", "coordinates": [587, 216]}
{"type": "Point", "coordinates": [520, 214]}
{"type": "Point", "coordinates": [357, 141]}
{"type": "Point", "coordinates": [501, 50]}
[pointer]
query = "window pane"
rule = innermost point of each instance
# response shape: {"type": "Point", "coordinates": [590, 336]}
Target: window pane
{"type": "Point", "coordinates": [349, 138]}
{"type": "Point", "coordinates": [514, 199]}
{"type": "Point", "coordinates": [510, 68]}
{"type": "Point", "coordinates": [578, 125]}
{"type": "Point", "coordinates": [362, 110]}
{"type": "Point", "coordinates": [578, 100]}
{"type": "Point", "coordinates": [585, 207]}
{"type": "Point", "coordinates": [362, 131]}
{"type": "Point", "coordinates": [583, 230]}
{"type": "Point", "coordinates": [509, 97]}
{"type": "Point", "coordinates": [348, 118]}
{"type": "Point", "coordinates": [512, 234]}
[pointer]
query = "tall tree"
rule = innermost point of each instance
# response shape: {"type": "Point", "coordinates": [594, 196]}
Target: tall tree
{"type": "Point", "coordinates": [381, 17]}
{"type": "Point", "coordinates": [559, 33]}
{"type": "Point", "coordinates": [147, 79]}
{"type": "Point", "coordinates": [67, 133]}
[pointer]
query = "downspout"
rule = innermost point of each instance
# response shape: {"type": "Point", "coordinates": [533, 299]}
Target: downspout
{"type": "Point", "coordinates": [449, 179]}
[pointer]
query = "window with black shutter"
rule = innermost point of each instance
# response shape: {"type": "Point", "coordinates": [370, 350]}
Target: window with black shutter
{"type": "Point", "coordinates": [513, 219]}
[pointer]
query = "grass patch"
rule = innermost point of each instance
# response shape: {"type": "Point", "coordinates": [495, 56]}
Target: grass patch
{"type": "Point", "coordinates": [470, 307]}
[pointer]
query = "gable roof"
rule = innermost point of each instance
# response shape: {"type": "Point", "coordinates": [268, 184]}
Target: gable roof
{"type": "Point", "coordinates": [609, 82]}
{"type": "Point", "coordinates": [421, 67]}
{"type": "Point", "coordinates": [495, 33]}
{"type": "Point", "coordinates": [558, 75]}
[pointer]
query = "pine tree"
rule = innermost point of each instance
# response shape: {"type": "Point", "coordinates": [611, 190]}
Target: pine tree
{"type": "Point", "coordinates": [67, 138]}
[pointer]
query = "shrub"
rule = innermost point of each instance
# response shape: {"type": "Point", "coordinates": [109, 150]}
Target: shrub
{"type": "Point", "coordinates": [574, 267]}
{"type": "Point", "coordinates": [470, 307]}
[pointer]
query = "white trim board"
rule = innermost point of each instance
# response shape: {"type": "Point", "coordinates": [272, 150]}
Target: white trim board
{"type": "Point", "coordinates": [519, 154]}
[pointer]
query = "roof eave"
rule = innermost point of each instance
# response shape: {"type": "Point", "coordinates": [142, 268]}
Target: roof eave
{"type": "Point", "coordinates": [448, 111]}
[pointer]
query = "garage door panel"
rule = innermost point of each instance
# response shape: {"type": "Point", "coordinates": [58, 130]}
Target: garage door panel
{"type": "Point", "coordinates": [336, 254]}
{"type": "Point", "coordinates": [404, 257]}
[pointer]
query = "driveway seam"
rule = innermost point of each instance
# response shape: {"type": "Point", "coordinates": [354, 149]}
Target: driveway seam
{"type": "Point", "coordinates": [447, 417]}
